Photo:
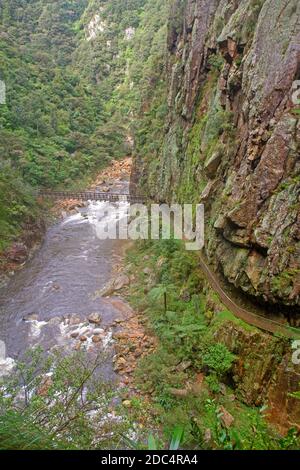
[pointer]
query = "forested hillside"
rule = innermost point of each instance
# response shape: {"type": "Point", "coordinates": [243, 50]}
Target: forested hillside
{"type": "Point", "coordinates": [64, 64]}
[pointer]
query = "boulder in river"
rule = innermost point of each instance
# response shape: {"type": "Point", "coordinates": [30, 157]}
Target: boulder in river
{"type": "Point", "coordinates": [74, 320]}
{"type": "Point", "coordinates": [2, 350]}
{"type": "Point", "coordinates": [6, 366]}
{"type": "Point", "coordinates": [95, 318]}
{"type": "Point", "coordinates": [96, 339]}
{"type": "Point", "coordinates": [6, 363]}
{"type": "Point", "coordinates": [98, 331]}
{"type": "Point", "coordinates": [115, 284]}
{"type": "Point", "coordinates": [121, 281]}
{"type": "Point", "coordinates": [54, 321]}
{"type": "Point", "coordinates": [31, 317]}
{"type": "Point", "coordinates": [75, 334]}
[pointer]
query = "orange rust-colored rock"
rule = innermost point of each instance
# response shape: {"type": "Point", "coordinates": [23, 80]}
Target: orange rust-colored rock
{"type": "Point", "coordinates": [264, 373]}
{"type": "Point", "coordinates": [226, 418]}
{"type": "Point", "coordinates": [284, 410]}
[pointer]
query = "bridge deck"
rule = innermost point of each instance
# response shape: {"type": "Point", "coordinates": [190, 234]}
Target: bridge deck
{"type": "Point", "coordinates": [91, 196]}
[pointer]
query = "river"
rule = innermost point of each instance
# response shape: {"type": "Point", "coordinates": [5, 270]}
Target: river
{"type": "Point", "coordinates": [50, 299]}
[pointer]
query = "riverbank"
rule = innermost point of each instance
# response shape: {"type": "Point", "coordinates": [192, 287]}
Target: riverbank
{"type": "Point", "coordinates": [22, 249]}
{"type": "Point", "coordinates": [19, 252]}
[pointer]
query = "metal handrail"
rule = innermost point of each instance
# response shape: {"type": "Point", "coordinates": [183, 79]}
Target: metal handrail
{"type": "Point", "coordinates": [91, 196]}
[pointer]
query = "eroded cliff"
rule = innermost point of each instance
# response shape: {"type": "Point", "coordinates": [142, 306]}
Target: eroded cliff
{"type": "Point", "coordinates": [231, 138]}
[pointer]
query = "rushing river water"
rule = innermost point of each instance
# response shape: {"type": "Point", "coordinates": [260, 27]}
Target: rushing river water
{"type": "Point", "coordinates": [58, 285]}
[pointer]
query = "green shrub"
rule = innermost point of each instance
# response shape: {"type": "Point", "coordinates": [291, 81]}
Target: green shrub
{"type": "Point", "coordinates": [47, 403]}
{"type": "Point", "coordinates": [213, 383]}
{"type": "Point", "coordinates": [216, 62]}
{"type": "Point", "coordinates": [218, 359]}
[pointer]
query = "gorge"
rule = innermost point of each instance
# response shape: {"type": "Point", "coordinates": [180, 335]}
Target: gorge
{"type": "Point", "coordinates": [202, 95]}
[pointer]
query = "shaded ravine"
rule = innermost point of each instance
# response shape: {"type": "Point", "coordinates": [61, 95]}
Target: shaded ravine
{"type": "Point", "coordinates": [58, 284]}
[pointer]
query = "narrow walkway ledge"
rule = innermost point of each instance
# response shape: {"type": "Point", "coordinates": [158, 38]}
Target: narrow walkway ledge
{"type": "Point", "coordinates": [251, 318]}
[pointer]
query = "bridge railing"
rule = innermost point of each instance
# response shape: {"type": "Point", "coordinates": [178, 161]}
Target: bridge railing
{"type": "Point", "coordinates": [91, 196]}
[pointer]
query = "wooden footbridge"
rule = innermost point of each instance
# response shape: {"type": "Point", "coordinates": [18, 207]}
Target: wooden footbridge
{"type": "Point", "coordinates": [92, 196]}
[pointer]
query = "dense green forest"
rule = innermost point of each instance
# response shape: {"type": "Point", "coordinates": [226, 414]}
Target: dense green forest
{"type": "Point", "coordinates": [74, 81]}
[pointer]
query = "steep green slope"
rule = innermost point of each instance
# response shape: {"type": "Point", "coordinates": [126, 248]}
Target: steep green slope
{"type": "Point", "coordinates": [62, 63]}
{"type": "Point", "coordinates": [49, 112]}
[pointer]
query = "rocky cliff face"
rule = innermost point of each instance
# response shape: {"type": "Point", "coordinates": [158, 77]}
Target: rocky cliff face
{"type": "Point", "coordinates": [264, 373]}
{"type": "Point", "coordinates": [232, 137]}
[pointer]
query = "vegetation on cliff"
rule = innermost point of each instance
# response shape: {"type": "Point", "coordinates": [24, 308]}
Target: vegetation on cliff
{"type": "Point", "coordinates": [211, 373]}
{"type": "Point", "coordinates": [231, 139]}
